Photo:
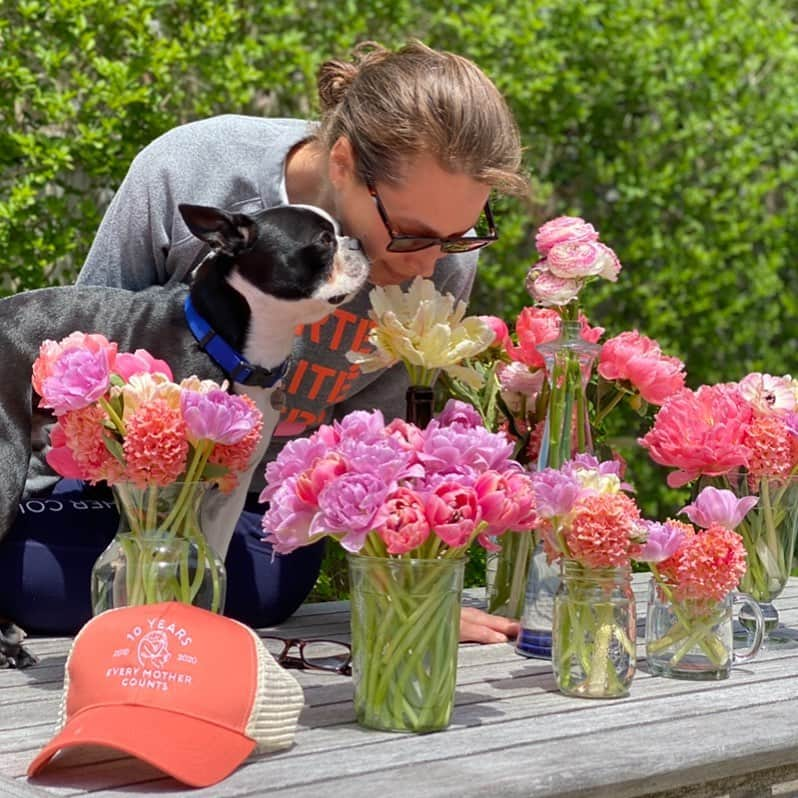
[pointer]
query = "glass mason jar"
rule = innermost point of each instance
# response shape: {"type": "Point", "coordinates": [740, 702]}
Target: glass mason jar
{"type": "Point", "coordinates": [159, 552]}
{"type": "Point", "coordinates": [569, 366]}
{"type": "Point", "coordinates": [405, 632]}
{"type": "Point", "coordinates": [593, 633]}
{"type": "Point", "coordinates": [692, 639]}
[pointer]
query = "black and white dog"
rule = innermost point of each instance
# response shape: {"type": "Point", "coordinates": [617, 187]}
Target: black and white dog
{"type": "Point", "coordinates": [265, 275]}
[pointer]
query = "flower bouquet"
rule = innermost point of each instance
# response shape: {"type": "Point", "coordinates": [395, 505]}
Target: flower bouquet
{"type": "Point", "coordinates": [120, 419]}
{"type": "Point", "coordinates": [406, 503]}
{"type": "Point", "coordinates": [742, 437]}
{"type": "Point", "coordinates": [688, 623]}
{"type": "Point", "coordinates": [593, 528]}
{"type": "Point", "coordinates": [543, 389]}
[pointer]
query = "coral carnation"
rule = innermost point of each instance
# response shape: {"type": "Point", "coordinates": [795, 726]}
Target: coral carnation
{"type": "Point", "coordinates": [155, 445]}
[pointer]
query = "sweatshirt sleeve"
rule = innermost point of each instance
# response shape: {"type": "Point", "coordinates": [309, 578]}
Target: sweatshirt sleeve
{"type": "Point", "coordinates": [131, 245]}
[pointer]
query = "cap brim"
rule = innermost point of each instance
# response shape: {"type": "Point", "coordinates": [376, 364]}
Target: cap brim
{"type": "Point", "coordinates": [189, 749]}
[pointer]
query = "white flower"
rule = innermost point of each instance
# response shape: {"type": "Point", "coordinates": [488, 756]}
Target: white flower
{"type": "Point", "coordinates": [769, 394]}
{"type": "Point", "coordinates": [424, 329]}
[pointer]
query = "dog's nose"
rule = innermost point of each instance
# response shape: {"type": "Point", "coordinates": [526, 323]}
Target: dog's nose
{"type": "Point", "coordinates": [337, 299]}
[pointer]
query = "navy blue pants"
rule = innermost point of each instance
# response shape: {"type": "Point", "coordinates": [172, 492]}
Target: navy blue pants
{"type": "Point", "coordinates": [47, 557]}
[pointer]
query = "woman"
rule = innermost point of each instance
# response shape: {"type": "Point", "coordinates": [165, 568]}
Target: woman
{"type": "Point", "coordinates": [409, 147]}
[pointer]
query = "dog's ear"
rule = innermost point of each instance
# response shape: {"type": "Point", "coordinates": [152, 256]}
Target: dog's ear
{"type": "Point", "coordinates": [227, 233]}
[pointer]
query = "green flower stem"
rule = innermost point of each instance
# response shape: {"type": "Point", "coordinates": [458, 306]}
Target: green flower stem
{"type": "Point", "coordinates": [685, 622]}
{"type": "Point", "coordinates": [512, 569]}
{"type": "Point", "coordinates": [116, 420]}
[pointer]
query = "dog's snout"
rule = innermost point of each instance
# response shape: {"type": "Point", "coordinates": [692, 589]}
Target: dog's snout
{"type": "Point", "coordinates": [337, 299]}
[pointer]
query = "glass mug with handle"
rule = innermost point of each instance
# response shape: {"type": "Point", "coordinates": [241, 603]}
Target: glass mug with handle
{"type": "Point", "coordinates": [693, 638]}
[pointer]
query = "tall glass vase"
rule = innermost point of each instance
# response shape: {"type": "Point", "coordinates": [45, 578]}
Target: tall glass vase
{"type": "Point", "coordinates": [159, 552]}
{"type": "Point", "coordinates": [405, 632]}
{"type": "Point", "coordinates": [769, 532]}
{"type": "Point", "coordinates": [569, 366]}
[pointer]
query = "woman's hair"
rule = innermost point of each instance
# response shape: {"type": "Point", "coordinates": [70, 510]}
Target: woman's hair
{"type": "Point", "coordinates": [395, 106]}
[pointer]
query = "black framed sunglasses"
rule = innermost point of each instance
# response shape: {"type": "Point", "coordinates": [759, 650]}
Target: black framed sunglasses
{"type": "Point", "coordinates": [403, 243]}
{"type": "Point", "coordinates": [313, 653]}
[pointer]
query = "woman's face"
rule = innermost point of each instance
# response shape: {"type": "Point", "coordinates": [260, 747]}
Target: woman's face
{"type": "Point", "coordinates": [428, 202]}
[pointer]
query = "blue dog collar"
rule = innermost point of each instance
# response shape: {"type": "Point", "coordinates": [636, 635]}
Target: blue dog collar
{"type": "Point", "coordinates": [234, 365]}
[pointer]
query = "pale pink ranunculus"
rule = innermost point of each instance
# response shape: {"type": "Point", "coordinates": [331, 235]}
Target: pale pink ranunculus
{"type": "Point", "coordinates": [519, 378]}
{"type": "Point", "coordinates": [700, 432]}
{"type": "Point", "coordinates": [718, 506]}
{"type": "Point", "coordinates": [562, 229]}
{"type": "Point", "coordinates": [769, 394]}
{"type": "Point", "coordinates": [453, 513]}
{"type": "Point", "coordinates": [499, 328]}
{"type": "Point", "coordinates": [549, 290]}
{"type": "Point", "coordinates": [610, 265]}
{"type": "Point", "coordinates": [638, 359]}
{"type": "Point", "coordinates": [50, 351]}
{"type": "Point", "coordinates": [405, 525]}
{"type": "Point", "coordinates": [534, 326]}
{"type": "Point", "coordinates": [140, 362]}
{"type": "Point", "coordinates": [575, 260]}
{"type": "Point", "coordinates": [77, 379]}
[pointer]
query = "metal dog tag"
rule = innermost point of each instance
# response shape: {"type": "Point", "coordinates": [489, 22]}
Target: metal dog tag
{"type": "Point", "coordinates": [278, 399]}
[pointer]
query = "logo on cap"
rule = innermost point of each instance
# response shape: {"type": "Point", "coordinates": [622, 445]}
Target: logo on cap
{"type": "Point", "coordinates": [153, 650]}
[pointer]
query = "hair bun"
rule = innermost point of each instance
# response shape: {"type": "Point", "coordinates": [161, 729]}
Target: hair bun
{"type": "Point", "coordinates": [334, 80]}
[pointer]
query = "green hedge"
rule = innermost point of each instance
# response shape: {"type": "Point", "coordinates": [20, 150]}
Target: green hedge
{"type": "Point", "coordinates": [671, 126]}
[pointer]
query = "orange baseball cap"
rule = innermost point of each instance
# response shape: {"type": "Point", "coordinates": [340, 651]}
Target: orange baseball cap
{"type": "Point", "coordinates": [188, 691]}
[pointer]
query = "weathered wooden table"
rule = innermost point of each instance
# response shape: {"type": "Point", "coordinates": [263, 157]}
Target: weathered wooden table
{"type": "Point", "coordinates": [512, 734]}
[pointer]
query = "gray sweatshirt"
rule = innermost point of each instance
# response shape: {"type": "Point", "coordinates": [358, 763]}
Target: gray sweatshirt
{"type": "Point", "coordinates": [238, 163]}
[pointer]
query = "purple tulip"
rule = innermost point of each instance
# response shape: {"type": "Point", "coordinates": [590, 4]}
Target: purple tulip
{"type": "Point", "coordinates": [717, 506]}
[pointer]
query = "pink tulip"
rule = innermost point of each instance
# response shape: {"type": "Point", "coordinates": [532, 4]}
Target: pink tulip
{"type": "Point", "coordinates": [140, 362]}
{"type": "Point", "coordinates": [714, 506]}
{"type": "Point", "coordinates": [78, 378]}
{"type": "Point", "coordinates": [50, 351]}
{"type": "Point", "coordinates": [405, 526]}
{"type": "Point", "coordinates": [453, 513]}
{"type": "Point", "coordinates": [662, 541]}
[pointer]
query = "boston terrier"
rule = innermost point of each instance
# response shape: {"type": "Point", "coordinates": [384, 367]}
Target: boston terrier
{"type": "Point", "coordinates": [265, 274]}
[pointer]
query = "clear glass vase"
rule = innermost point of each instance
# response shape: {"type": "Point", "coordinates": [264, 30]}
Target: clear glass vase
{"type": "Point", "coordinates": [769, 533]}
{"type": "Point", "coordinates": [593, 632]}
{"type": "Point", "coordinates": [405, 632]}
{"type": "Point", "coordinates": [507, 571]}
{"type": "Point", "coordinates": [159, 552]}
{"type": "Point", "coordinates": [569, 366]}
{"type": "Point", "coordinates": [692, 638]}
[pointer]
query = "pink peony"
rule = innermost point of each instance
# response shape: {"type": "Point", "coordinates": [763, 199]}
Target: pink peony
{"type": "Point", "coordinates": [638, 359]}
{"type": "Point", "coordinates": [140, 362]}
{"type": "Point", "coordinates": [235, 457]}
{"type": "Point", "coordinates": [405, 526]}
{"type": "Point", "coordinates": [562, 229]}
{"type": "Point", "coordinates": [310, 483]}
{"type": "Point", "coordinates": [700, 432]}
{"type": "Point", "coordinates": [77, 379]}
{"type": "Point", "coordinates": [218, 416]}
{"type": "Point", "coordinates": [50, 351]}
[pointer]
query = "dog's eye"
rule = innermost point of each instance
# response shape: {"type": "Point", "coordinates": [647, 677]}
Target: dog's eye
{"type": "Point", "coordinates": [326, 239]}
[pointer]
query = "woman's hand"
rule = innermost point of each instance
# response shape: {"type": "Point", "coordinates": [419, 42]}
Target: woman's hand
{"type": "Point", "coordinates": [477, 626]}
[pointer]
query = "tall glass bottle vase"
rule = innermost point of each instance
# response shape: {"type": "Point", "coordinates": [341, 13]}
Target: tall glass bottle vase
{"type": "Point", "coordinates": [159, 552]}
{"type": "Point", "coordinates": [569, 366]}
